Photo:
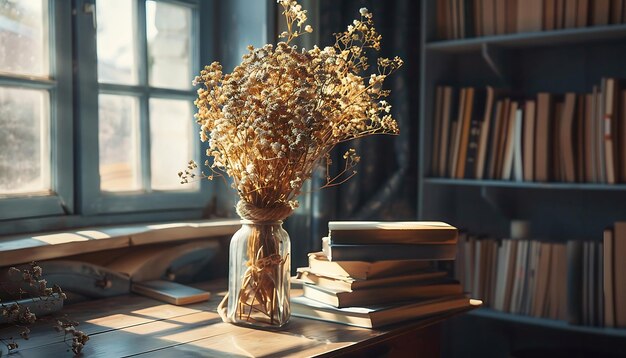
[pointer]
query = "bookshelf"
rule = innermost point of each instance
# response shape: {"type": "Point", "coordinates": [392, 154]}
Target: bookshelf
{"type": "Point", "coordinates": [547, 323]}
{"type": "Point", "coordinates": [556, 61]}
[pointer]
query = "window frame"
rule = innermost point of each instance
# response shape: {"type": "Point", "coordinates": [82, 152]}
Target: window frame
{"type": "Point", "coordinates": [58, 84]}
{"type": "Point", "coordinates": [91, 199]}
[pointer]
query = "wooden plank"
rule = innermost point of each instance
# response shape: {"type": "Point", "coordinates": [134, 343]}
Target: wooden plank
{"type": "Point", "coordinates": [104, 315]}
{"type": "Point", "coordinates": [26, 248]}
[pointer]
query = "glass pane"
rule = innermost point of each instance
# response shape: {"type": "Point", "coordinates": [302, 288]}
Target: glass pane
{"type": "Point", "coordinates": [119, 143]}
{"type": "Point", "coordinates": [117, 54]}
{"type": "Point", "coordinates": [24, 37]}
{"type": "Point", "coordinates": [169, 36]}
{"type": "Point", "coordinates": [171, 144]}
{"type": "Point", "coordinates": [24, 141]}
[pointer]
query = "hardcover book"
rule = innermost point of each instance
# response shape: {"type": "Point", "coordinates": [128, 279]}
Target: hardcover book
{"type": "Point", "coordinates": [378, 316]}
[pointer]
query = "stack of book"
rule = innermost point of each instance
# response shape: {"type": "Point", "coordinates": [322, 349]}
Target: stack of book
{"type": "Point", "coordinates": [581, 282]}
{"type": "Point", "coordinates": [482, 133]}
{"type": "Point", "coordinates": [458, 19]}
{"type": "Point", "coordinates": [372, 274]}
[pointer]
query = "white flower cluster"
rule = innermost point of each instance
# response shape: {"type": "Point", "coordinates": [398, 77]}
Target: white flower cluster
{"type": "Point", "coordinates": [272, 120]}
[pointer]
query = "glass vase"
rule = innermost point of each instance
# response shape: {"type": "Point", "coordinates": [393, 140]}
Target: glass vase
{"type": "Point", "coordinates": [259, 273]}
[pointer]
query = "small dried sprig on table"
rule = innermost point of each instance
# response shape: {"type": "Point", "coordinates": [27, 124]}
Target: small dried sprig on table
{"type": "Point", "coordinates": [21, 316]}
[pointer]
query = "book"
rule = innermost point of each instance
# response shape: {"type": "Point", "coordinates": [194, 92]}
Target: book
{"type": "Point", "coordinates": [382, 295]}
{"type": "Point", "coordinates": [456, 131]}
{"type": "Point", "coordinates": [518, 170]}
{"type": "Point", "coordinates": [521, 264]}
{"type": "Point", "coordinates": [391, 232]}
{"type": "Point", "coordinates": [598, 288]}
{"type": "Point", "coordinates": [566, 138]}
{"type": "Point", "coordinates": [619, 272]}
{"type": "Point", "coordinates": [509, 142]}
{"type": "Point", "coordinates": [529, 140]}
{"type": "Point", "coordinates": [342, 283]}
{"type": "Point", "coordinates": [557, 161]}
{"type": "Point", "coordinates": [477, 117]}
{"type": "Point", "coordinates": [622, 136]}
{"type": "Point", "coordinates": [609, 92]}
{"type": "Point", "coordinates": [434, 252]}
{"type": "Point", "coordinates": [502, 138]}
{"type": "Point", "coordinates": [364, 270]}
{"type": "Point", "coordinates": [575, 281]}
{"type": "Point", "coordinates": [530, 15]}
{"type": "Point", "coordinates": [608, 278]}
{"type": "Point", "coordinates": [511, 15]}
{"type": "Point", "coordinates": [549, 14]}
{"type": "Point", "coordinates": [589, 142]}
{"type": "Point", "coordinates": [437, 131]}
{"type": "Point", "coordinates": [489, 17]}
{"type": "Point", "coordinates": [579, 140]}
{"type": "Point", "coordinates": [378, 316]}
{"type": "Point", "coordinates": [600, 12]}
{"type": "Point", "coordinates": [442, 20]}
{"type": "Point", "coordinates": [495, 140]}
{"type": "Point", "coordinates": [598, 110]}
{"type": "Point", "coordinates": [447, 114]}
{"type": "Point", "coordinates": [571, 10]}
{"type": "Point", "coordinates": [484, 134]}
{"type": "Point", "coordinates": [582, 13]}
{"type": "Point", "coordinates": [170, 292]}
{"type": "Point", "coordinates": [465, 132]}
{"type": "Point", "coordinates": [542, 152]}
{"type": "Point", "coordinates": [500, 17]}
{"type": "Point", "coordinates": [542, 280]}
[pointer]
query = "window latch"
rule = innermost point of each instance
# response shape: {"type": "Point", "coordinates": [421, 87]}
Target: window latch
{"type": "Point", "coordinates": [90, 8]}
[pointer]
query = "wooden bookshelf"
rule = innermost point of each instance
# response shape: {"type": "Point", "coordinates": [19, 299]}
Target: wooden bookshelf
{"type": "Point", "coordinates": [547, 323]}
{"type": "Point", "coordinates": [558, 61]}
{"type": "Point", "coordinates": [524, 185]}
{"type": "Point", "coordinates": [583, 35]}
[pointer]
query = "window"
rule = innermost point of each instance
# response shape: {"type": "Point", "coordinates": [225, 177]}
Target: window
{"type": "Point", "coordinates": [146, 56]}
{"type": "Point", "coordinates": [35, 109]}
{"type": "Point", "coordinates": [96, 107]}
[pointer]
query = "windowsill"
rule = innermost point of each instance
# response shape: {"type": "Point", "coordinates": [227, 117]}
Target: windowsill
{"type": "Point", "coordinates": [24, 248]}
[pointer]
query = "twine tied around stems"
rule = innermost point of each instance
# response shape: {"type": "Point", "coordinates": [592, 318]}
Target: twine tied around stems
{"type": "Point", "coordinates": [253, 213]}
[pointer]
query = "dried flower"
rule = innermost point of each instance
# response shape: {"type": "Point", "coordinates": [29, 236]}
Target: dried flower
{"type": "Point", "coordinates": [277, 116]}
{"type": "Point", "coordinates": [20, 315]}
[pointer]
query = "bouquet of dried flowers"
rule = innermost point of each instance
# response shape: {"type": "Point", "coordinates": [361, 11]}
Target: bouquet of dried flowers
{"type": "Point", "coordinates": [279, 114]}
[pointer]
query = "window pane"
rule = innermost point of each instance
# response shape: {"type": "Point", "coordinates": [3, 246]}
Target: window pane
{"type": "Point", "coordinates": [169, 36]}
{"type": "Point", "coordinates": [24, 37]}
{"type": "Point", "coordinates": [170, 142]}
{"type": "Point", "coordinates": [24, 141]}
{"type": "Point", "coordinates": [119, 143]}
{"type": "Point", "coordinates": [117, 54]}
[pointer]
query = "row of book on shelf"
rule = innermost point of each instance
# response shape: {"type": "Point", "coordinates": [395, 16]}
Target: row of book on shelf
{"type": "Point", "coordinates": [371, 274]}
{"type": "Point", "coordinates": [491, 134]}
{"type": "Point", "coordinates": [581, 282]}
{"type": "Point", "coordinates": [458, 19]}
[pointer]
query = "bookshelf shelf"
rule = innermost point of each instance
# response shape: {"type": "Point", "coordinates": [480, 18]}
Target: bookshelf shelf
{"type": "Point", "coordinates": [532, 39]}
{"type": "Point", "coordinates": [524, 185]}
{"type": "Point", "coordinates": [548, 323]}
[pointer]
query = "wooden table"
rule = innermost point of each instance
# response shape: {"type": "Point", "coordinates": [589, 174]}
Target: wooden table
{"type": "Point", "coordinates": [134, 325]}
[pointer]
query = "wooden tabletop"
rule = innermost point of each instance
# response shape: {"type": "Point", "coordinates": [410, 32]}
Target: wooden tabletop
{"type": "Point", "coordinates": [134, 325]}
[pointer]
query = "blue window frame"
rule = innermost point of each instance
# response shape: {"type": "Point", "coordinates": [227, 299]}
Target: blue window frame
{"type": "Point", "coordinates": [141, 196]}
{"type": "Point", "coordinates": [51, 82]}
{"type": "Point", "coordinates": [68, 83]}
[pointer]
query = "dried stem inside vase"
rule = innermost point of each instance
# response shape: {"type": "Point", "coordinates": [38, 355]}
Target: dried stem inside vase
{"type": "Point", "coordinates": [259, 297]}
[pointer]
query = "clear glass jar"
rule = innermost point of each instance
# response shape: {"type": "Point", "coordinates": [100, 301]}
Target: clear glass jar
{"type": "Point", "coordinates": [259, 273]}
